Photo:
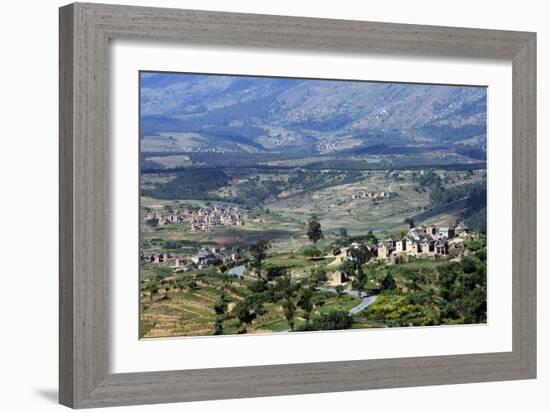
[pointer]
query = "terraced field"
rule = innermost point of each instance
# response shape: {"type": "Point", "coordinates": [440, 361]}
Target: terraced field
{"type": "Point", "coordinates": [190, 312]}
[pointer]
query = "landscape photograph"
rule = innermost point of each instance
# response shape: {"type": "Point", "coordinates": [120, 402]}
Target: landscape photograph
{"type": "Point", "coordinates": [292, 205]}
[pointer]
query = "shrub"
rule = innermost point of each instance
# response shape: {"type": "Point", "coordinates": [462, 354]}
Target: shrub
{"type": "Point", "coordinates": [333, 320]}
{"type": "Point", "coordinates": [312, 252]}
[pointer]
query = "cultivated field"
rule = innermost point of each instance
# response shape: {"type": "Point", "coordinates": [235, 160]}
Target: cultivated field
{"type": "Point", "coordinates": [184, 304]}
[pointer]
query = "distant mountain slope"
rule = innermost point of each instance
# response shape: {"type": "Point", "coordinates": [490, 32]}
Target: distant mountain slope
{"type": "Point", "coordinates": [262, 114]}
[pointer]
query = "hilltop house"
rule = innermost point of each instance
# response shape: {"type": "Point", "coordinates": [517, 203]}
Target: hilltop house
{"type": "Point", "coordinates": [462, 230]}
{"type": "Point", "coordinates": [412, 245]}
{"type": "Point", "coordinates": [385, 249]}
{"type": "Point", "coordinates": [427, 246]}
{"type": "Point", "coordinates": [422, 240]}
{"type": "Point", "coordinates": [400, 245]}
{"type": "Point", "coordinates": [173, 218]}
{"type": "Point", "coordinates": [203, 259]}
{"type": "Point", "coordinates": [445, 232]}
{"type": "Point", "coordinates": [441, 247]}
{"type": "Point", "coordinates": [348, 252]}
{"type": "Point", "coordinates": [183, 265]}
{"type": "Point", "coordinates": [337, 278]}
{"type": "Point", "coordinates": [159, 258]}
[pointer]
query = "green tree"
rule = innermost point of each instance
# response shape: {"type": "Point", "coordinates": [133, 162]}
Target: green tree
{"type": "Point", "coordinates": [243, 312]}
{"type": "Point", "coordinates": [388, 283]}
{"type": "Point", "coordinates": [314, 231]}
{"type": "Point", "coordinates": [317, 276]}
{"type": "Point", "coordinates": [463, 289]}
{"type": "Point", "coordinates": [220, 307]}
{"type": "Point", "coordinates": [259, 253]}
{"type": "Point", "coordinates": [285, 292]}
{"type": "Point", "coordinates": [333, 320]}
{"type": "Point", "coordinates": [319, 300]}
{"type": "Point", "coordinates": [289, 309]}
{"type": "Point", "coordinates": [312, 252]}
{"type": "Point", "coordinates": [305, 302]}
{"type": "Point", "coordinates": [409, 221]}
{"type": "Point", "coordinates": [359, 256]}
{"type": "Point", "coordinates": [256, 304]}
{"type": "Point", "coordinates": [218, 326]}
{"type": "Point", "coordinates": [275, 271]}
{"type": "Point", "coordinates": [360, 282]}
{"type": "Point", "coordinates": [348, 266]}
{"type": "Point", "coordinates": [258, 286]}
{"type": "Point", "coordinates": [153, 290]}
{"type": "Point", "coordinates": [371, 237]}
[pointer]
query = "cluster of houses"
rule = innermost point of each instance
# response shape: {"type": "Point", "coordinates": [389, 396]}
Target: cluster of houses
{"type": "Point", "coordinates": [420, 241]}
{"type": "Point", "coordinates": [155, 257]}
{"type": "Point", "coordinates": [325, 146]}
{"type": "Point", "coordinates": [205, 257]}
{"type": "Point", "coordinates": [203, 220]}
{"type": "Point", "coordinates": [361, 194]}
{"type": "Point", "coordinates": [174, 216]}
{"type": "Point", "coordinates": [210, 218]}
{"type": "Point", "coordinates": [424, 240]}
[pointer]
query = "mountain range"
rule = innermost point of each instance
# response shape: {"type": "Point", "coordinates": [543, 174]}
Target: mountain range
{"type": "Point", "coordinates": [219, 113]}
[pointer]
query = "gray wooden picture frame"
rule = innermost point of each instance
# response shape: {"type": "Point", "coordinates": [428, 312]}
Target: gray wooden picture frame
{"type": "Point", "coordinates": [85, 31]}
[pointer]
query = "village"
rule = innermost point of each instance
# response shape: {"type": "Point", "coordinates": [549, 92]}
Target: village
{"type": "Point", "coordinates": [210, 218]}
{"type": "Point", "coordinates": [422, 241]}
{"type": "Point", "coordinates": [202, 220]}
{"type": "Point", "coordinates": [425, 241]}
{"type": "Point", "coordinates": [206, 256]}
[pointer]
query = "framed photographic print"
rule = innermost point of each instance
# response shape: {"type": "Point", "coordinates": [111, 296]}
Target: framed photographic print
{"type": "Point", "coordinates": [257, 205]}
